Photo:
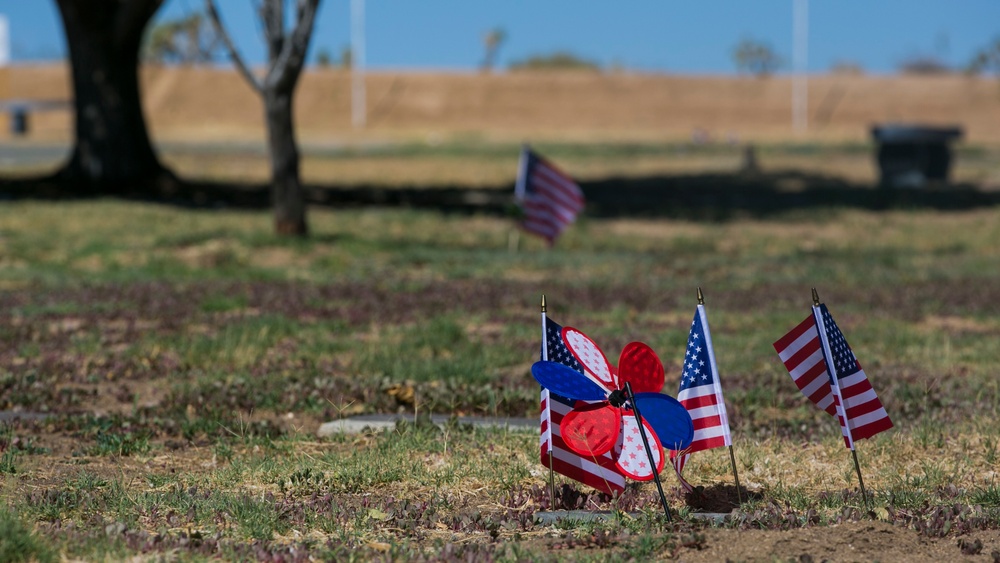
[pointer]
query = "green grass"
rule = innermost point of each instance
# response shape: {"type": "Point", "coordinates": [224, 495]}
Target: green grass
{"type": "Point", "coordinates": [185, 359]}
{"type": "Point", "coordinates": [19, 543]}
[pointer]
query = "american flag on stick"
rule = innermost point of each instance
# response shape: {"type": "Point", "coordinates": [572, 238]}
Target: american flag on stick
{"type": "Point", "coordinates": [549, 199]}
{"type": "Point", "coordinates": [825, 369]}
{"type": "Point", "coordinates": [598, 472]}
{"type": "Point", "coordinates": [701, 394]}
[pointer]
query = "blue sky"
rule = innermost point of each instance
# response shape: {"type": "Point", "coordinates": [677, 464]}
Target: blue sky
{"type": "Point", "coordinates": [691, 36]}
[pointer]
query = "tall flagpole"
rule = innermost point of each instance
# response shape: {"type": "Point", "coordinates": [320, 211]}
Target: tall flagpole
{"type": "Point", "coordinates": [358, 111]}
{"type": "Point", "coordinates": [800, 62]}
{"type": "Point", "coordinates": [835, 387]}
{"type": "Point", "coordinates": [720, 400]}
{"type": "Point", "coordinates": [545, 358]}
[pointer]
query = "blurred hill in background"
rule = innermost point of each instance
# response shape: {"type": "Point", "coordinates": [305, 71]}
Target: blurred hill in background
{"type": "Point", "coordinates": [203, 104]}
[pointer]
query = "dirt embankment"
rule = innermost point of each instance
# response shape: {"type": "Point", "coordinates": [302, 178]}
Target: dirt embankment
{"type": "Point", "coordinates": [215, 104]}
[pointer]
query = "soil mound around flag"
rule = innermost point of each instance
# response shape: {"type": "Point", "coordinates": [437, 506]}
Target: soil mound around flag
{"type": "Point", "coordinates": [852, 541]}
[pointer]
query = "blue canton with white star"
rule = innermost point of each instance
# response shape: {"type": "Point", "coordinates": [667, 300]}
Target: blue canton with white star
{"type": "Point", "coordinates": [697, 368]}
{"type": "Point", "coordinates": [558, 352]}
{"type": "Point", "coordinates": [843, 358]}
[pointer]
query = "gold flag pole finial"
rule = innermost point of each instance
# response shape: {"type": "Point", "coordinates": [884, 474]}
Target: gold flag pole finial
{"type": "Point", "coordinates": [815, 298]}
{"type": "Point", "coordinates": [701, 297]}
{"type": "Point", "coordinates": [543, 302]}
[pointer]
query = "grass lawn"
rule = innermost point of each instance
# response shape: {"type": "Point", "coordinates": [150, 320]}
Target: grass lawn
{"type": "Point", "coordinates": [171, 368]}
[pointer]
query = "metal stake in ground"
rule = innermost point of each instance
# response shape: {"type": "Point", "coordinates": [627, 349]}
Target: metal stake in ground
{"type": "Point", "coordinates": [857, 468]}
{"type": "Point", "coordinates": [545, 356]}
{"type": "Point", "coordinates": [649, 451]}
{"type": "Point", "coordinates": [732, 456]}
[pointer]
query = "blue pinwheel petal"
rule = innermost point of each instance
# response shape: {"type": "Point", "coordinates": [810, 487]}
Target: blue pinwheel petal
{"type": "Point", "coordinates": [567, 382]}
{"type": "Point", "coordinates": [668, 418]}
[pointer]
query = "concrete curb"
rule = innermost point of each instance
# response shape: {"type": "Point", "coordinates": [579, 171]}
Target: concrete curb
{"type": "Point", "coordinates": [358, 424]}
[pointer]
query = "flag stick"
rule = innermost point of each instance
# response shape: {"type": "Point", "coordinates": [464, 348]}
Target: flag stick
{"type": "Point", "coordinates": [545, 356]}
{"type": "Point", "coordinates": [552, 482]}
{"type": "Point", "coordinates": [736, 476]}
{"type": "Point", "coordinates": [857, 467]}
{"type": "Point", "coordinates": [513, 241]}
{"type": "Point", "coordinates": [854, 453]}
{"type": "Point", "coordinates": [732, 456]}
{"type": "Point", "coordinates": [649, 451]}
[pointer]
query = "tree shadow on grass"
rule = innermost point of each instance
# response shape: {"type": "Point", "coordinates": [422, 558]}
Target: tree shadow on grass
{"type": "Point", "coordinates": [700, 197]}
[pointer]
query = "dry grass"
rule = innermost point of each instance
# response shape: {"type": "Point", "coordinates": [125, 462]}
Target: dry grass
{"type": "Point", "coordinates": [215, 105]}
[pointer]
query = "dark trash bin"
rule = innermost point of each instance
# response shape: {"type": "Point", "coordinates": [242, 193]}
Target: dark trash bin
{"type": "Point", "coordinates": [18, 120]}
{"type": "Point", "coordinates": [910, 156]}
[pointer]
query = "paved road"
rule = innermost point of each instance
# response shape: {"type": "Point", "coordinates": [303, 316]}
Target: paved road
{"type": "Point", "coordinates": [18, 155]}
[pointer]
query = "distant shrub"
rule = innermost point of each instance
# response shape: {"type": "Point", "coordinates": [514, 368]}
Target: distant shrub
{"type": "Point", "coordinates": [560, 60]}
{"type": "Point", "coordinates": [923, 64]}
{"type": "Point", "coordinates": [849, 68]}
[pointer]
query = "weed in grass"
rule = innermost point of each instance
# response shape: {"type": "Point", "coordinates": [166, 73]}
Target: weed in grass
{"type": "Point", "coordinates": [256, 519]}
{"type": "Point", "coordinates": [7, 462]}
{"type": "Point", "coordinates": [990, 449]}
{"type": "Point", "coordinates": [988, 496]}
{"type": "Point", "coordinates": [119, 443]}
{"type": "Point", "coordinates": [19, 543]}
{"type": "Point", "coordinates": [223, 303]}
{"type": "Point", "coordinates": [87, 481]}
{"type": "Point", "coordinates": [11, 446]}
{"type": "Point", "coordinates": [54, 505]}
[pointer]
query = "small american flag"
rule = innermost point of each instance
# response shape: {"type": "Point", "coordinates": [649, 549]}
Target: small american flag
{"type": "Point", "coordinates": [701, 394]}
{"type": "Point", "coordinates": [810, 356]}
{"type": "Point", "coordinates": [549, 198]}
{"type": "Point", "coordinates": [598, 472]}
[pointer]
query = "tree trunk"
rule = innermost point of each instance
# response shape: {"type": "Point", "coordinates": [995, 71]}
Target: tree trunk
{"type": "Point", "coordinates": [287, 195]}
{"type": "Point", "coordinates": [112, 150]}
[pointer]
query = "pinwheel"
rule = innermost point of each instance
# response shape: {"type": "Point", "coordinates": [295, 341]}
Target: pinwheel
{"type": "Point", "coordinates": [604, 418]}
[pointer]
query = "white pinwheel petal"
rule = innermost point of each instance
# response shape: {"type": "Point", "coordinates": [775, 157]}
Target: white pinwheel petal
{"type": "Point", "coordinates": [593, 360]}
{"type": "Point", "coordinates": [630, 454]}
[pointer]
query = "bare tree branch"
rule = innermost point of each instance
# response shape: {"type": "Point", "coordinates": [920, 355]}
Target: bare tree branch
{"type": "Point", "coordinates": [272, 15]}
{"type": "Point", "coordinates": [234, 54]}
{"type": "Point", "coordinates": [286, 68]}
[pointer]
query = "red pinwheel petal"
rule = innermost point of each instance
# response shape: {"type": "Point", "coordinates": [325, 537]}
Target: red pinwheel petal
{"type": "Point", "coordinates": [630, 454]}
{"type": "Point", "coordinates": [590, 357]}
{"type": "Point", "coordinates": [591, 430]}
{"type": "Point", "coordinates": [640, 366]}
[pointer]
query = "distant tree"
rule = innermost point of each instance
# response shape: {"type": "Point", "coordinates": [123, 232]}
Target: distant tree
{"type": "Point", "coordinates": [923, 64]}
{"type": "Point", "coordinates": [491, 42]}
{"type": "Point", "coordinates": [559, 60]}
{"type": "Point", "coordinates": [323, 58]}
{"type": "Point", "coordinates": [755, 57]}
{"type": "Point", "coordinates": [986, 59]}
{"type": "Point", "coordinates": [346, 57]}
{"type": "Point", "coordinates": [187, 40]}
{"type": "Point", "coordinates": [111, 147]}
{"type": "Point", "coordinates": [286, 55]}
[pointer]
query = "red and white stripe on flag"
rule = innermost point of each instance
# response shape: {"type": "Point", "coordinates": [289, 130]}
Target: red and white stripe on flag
{"type": "Point", "coordinates": [802, 353]}
{"type": "Point", "coordinates": [865, 413]}
{"type": "Point", "coordinates": [809, 361]}
{"type": "Point", "coordinates": [599, 472]}
{"type": "Point", "coordinates": [549, 198]}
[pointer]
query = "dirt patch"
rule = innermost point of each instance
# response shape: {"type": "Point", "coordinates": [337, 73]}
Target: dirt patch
{"type": "Point", "coordinates": [852, 541]}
